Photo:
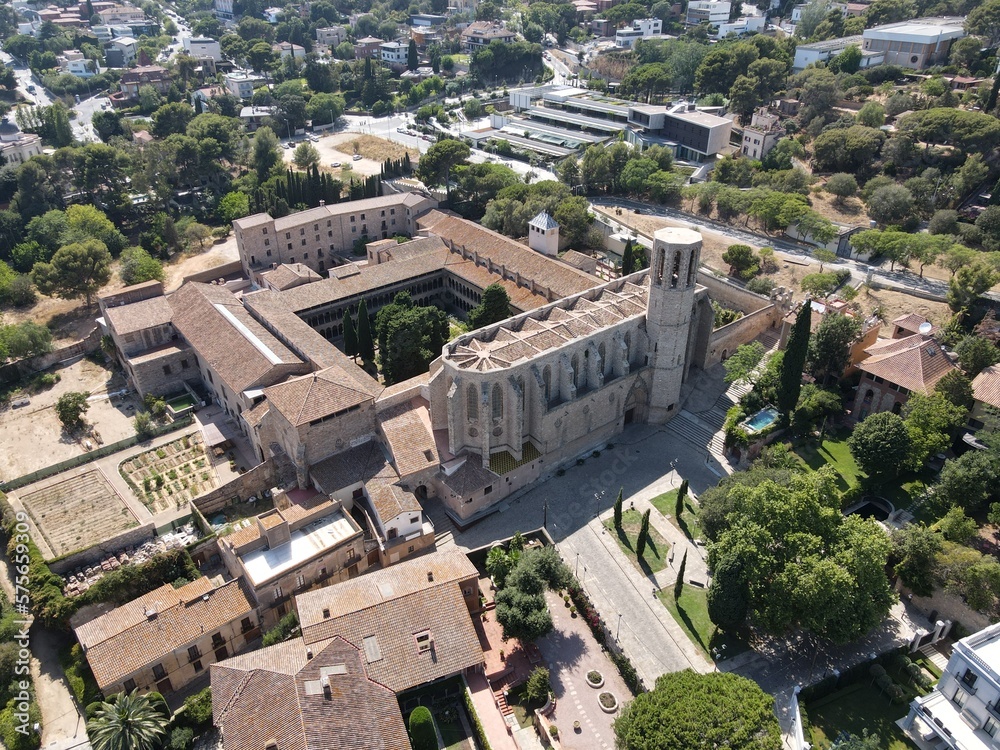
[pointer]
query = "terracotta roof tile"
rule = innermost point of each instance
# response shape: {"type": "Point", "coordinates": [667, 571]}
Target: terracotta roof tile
{"type": "Point", "coordinates": [915, 362]}
{"type": "Point", "coordinates": [302, 703]}
{"type": "Point", "coordinates": [148, 640]}
{"type": "Point", "coordinates": [986, 386]}
{"type": "Point", "coordinates": [288, 275]}
{"type": "Point", "coordinates": [407, 432]}
{"type": "Point", "coordinates": [468, 478]}
{"type": "Point", "coordinates": [366, 464]}
{"type": "Point", "coordinates": [320, 394]}
{"type": "Point", "coordinates": [138, 316]}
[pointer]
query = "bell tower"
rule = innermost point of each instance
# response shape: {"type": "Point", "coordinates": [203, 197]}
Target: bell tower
{"type": "Point", "coordinates": [673, 273]}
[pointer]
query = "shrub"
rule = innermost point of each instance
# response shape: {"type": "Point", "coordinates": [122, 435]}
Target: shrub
{"type": "Point", "coordinates": [285, 629]}
{"type": "Point", "coordinates": [761, 285]}
{"type": "Point", "coordinates": [422, 734]}
{"type": "Point", "coordinates": [536, 689]}
{"type": "Point", "coordinates": [197, 712]}
{"type": "Point", "coordinates": [78, 675]}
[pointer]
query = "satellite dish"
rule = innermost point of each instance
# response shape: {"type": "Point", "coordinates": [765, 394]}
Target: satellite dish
{"type": "Point", "coordinates": [925, 328]}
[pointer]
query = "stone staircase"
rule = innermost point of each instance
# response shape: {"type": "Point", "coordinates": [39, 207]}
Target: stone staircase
{"type": "Point", "coordinates": [936, 657]}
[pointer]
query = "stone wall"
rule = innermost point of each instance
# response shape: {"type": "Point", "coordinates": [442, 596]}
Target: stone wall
{"type": "Point", "coordinates": [262, 477]}
{"type": "Point", "coordinates": [730, 294]}
{"type": "Point", "coordinates": [130, 538]}
{"type": "Point", "coordinates": [725, 340]}
{"type": "Point", "coordinates": [225, 271]}
{"type": "Point", "coordinates": [949, 607]}
{"type": "Point", "coordinates": [25, 367]}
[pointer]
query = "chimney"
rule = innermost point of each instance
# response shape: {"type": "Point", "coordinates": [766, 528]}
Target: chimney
{"type": "Point", "coordinates": [322, 203]}
{"type": "Point", "coordinates": [430, 576]}
{"type": "Point", "coordinates": [309, 653]}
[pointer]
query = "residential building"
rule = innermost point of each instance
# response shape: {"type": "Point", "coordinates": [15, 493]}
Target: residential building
{"type": "Point", "coordinates": [223, 9]}
{"type": "Point", "coordinates": [761, 135]}
{"type": "Point", "coordinates": [713, 12]}
{"type": "Point", "coordinates": [241, 83]}
{"type": "Point", "coordinates": [299, 544]}
{"type": "Point", "coordinates": [746, 24]}
{"type": "Point", "coordinates": [641, 28]}
{"type": "Point", "coordinates": [427, 20]}
{"type": "Point", "coordinates": [121, 14]}
{"type": "Point", "coordinates": [287, 49]}
{"type": "Point", "coordinates": [368, 46]}
{"type": "Point", "coordinates": [75, 64]}
{"type": "Point", "coordinates": [105, 34]}
{"type": "Point", "coordinates": [816, 52]}
{"type": "Point", "coordinates": [163, 640]}
{"type": "Point", "coordinates": [963, 710]}
{"type": "Point", "coordinates": [394, 53]}
{"type": "Point", "coordinates": [917, 44]}
{"type": "Point", "coordinates": [253, 117]}
{"type": "Point", "coordinates": [867, 336]}
{"type": "Point", "coordinates": [203, 46]}
{"type": "Point", "coordinates": [896, 367]}
{"type": "Point", "coordinates": [307, 697]}
{"type": "Point", "coordinates": [271, 15]}
{"type": "Point", "coordinates": [201, 97]}
{"type": "Point", "coordinates": [149, 75]}
{"type": "Point", "coordinates": [331, 36]}
{"type": "Point", "coordinates": [479, 34]}
{"type": "Point", "coordinates": [986, 394]}
{"type": "Point", "coordinates": [127, 46]}
{"type": "Point", "coordinates": [316, 236]}
{"type": "Point", "coordinates": [15, 146]}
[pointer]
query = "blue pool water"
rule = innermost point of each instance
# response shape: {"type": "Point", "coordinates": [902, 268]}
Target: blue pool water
{"type": "Point", "coordinates": [762, 419]}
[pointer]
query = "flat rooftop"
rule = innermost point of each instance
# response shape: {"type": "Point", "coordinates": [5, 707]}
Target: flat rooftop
{"type": "Point", "coordinates": [833, 44]}
{"type": "Point", "coordinates": [927, 28]}
{"type": "Point", "coordinates": [311, 540]}
{"type": "Point", "coordinates": [559, 115]}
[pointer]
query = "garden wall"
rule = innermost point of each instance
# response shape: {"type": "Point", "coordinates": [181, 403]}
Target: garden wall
{"type": "Point", "coordinates": [724, 341]}
{"type": "Point", "coordinates": [101, 551]}
{"type": "Point", "coordinates": [949, 607]}
{"type": "Point", "coordinates": [272, 473]}
{"type": "Point", "coordinates": [24, 367]}
{"type": "Point", "coordinates": [217, 272]}
{"type": "Point", "coordinates": [730, 294]}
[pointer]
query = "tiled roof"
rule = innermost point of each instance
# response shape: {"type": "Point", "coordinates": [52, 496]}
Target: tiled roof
{"type": "Point", "coordinates": [910, 322]}
{"type": "Point", "coordinates": [382, 612]}
{"type": "Point", "coordinates": [986, 386]}
{"type": "Point", "coordinates": [916, 362]}
{"type": "Point", "coordinates": [327, 701]}
{"type": "Point", "coordinates": [127, 615]}
{"type": "Point", "coordinates": [139, 316]}
{"type": "Point", "coordinates": [304, 399]}
{"type": "Point", "coordinates": [468, 478]}
{"type": "Point", "coordinates": [554, 326]}
{"type": "Point", "coordinates": [148, 640]}
{"type": "Point", "coordinates": [407, 432]}
{"type": "Point", "coordinates": [288, 275]}
{"type": "Point", "coordinates": [227, 337]}
{"type": "Point", "coordinates": [563, 280]}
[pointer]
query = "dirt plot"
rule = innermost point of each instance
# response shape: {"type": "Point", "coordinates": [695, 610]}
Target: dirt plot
{"type": "Point", "coordinates": [31, 437]}
{"type": "Point", "coordinates": [339, 148]}
{"type": "Point", "coordinates": [171, 475]}
{"type": "Point", "coordinates": [77, 512]}
{"type": "Point", "coordinates": [375, 148]}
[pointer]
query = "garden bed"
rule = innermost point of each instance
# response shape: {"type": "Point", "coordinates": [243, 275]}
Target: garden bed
{"type": "Point", "coordinates": [687, 524]}
{"type": "Point", "coordinates": [171, 475]}
{"type": "Point", "coordinates": [654, 557]}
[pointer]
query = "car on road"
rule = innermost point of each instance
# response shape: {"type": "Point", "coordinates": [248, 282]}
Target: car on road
{"type": "Point", "coordinates": [357, 157]}
{"type": "Point", "coordinates": [400, 129]}
{"type": "Point", "coordinates": [427, 138]}
{"type": "Point", "coordinates": [334, 164]}
{"type": "Point", "coordinates": [31, 89]}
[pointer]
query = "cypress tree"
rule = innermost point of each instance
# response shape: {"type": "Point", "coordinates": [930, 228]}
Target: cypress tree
{"type": "Point", "coordinates": [640, 542]}
{"type": "Point", "coordinates": [790, 377]}
{"type": "Point", "coordinates": [679, 583]}
{"type": "Point", "coordinates": [350, 336]}
{"type": "Point", "coordinates": [628, 259]}
{"type": "Point", "coordinates": [366, 346]}
{"type": "Point", "coordinates": [412, 60]}
{"type": "Point", "coordinates": [681, 496]}
{"type": "Point", "coordinates": [618, 509]}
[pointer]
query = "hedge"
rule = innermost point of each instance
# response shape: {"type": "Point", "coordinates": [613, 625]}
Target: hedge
{"type": "Point", "coordinates": [477, 725]}
{"type": "Point", "coordinates": [79, 677]}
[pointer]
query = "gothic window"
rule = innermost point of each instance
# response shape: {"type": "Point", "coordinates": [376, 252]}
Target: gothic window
{"type": "Point", "coordinates": [628, 346]}
{"type": "Point", "coordinates": [659, 266]}
{"type": "Point", "coordinates": [575, 366]}
{"type": "Point", "coordinates": [472, 403]}
{"type": "Point", "coordinates": [547, 380]}
{"type": "Point", "coordinates": [675, 272]}
{"type": "Point", "coordinates": [604, 360]}
{"type": "Point", "coordinates": [692, 268]}
{"type": "Point", "coordinates": [497, 402]}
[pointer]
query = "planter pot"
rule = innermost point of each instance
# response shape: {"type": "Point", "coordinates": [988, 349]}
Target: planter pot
{"type": "Point", "coordinates": [604, 697]}
{"type": "Point", "coordinates": [599, 683]}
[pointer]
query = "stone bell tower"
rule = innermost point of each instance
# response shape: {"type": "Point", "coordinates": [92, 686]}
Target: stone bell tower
{"type": "Point", "coordinates": [673, 273]}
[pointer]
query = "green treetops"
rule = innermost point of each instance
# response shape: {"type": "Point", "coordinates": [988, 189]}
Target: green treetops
{"type": "Point", "coordinates": [493, 307]}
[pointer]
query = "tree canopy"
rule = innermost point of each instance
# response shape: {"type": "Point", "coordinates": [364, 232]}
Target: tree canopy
{"type": "Point", "coordinates": [882, 446]}
{"type": "Point", "coordinates": [689, 711]}
{"type": "Point", "coordinates": [492, 308]}
{"type": "Point", "coordinates": [409, 337]}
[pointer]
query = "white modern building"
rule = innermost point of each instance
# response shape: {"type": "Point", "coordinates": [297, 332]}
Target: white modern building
{"type": "Point", "coordinates": [748, 24]}
{"type": "Point", "coordinates": [241, 83]}
{"type": "Point", "coordinates": [74, 63]}
{"type": "Point", "coordinates": [127, 45]}
{"type": "Point", "coordinates": [331, 36]}
{"type": "Point", "coordinates": [641, 28]}
{"type": "Point", "coordinates": [963, 711]}
{"type": "Point", "coordinates": [714, 12]}
{"type": "Point", "coordinates": [916, 44]}
{"type": "Point", "coordinates": [817, 52]}
{"type": "Point", "coordinates": [393, 53]}
{"type": "Point", "coordinates": [105, 34]}
{"type": "Point", "coordinates": [203, 46]}
{"type": "Point", "coordinates": [761, 134]}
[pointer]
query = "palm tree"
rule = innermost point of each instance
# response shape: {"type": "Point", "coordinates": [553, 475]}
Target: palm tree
{"type": "Point", "coordinates": [128, 722]}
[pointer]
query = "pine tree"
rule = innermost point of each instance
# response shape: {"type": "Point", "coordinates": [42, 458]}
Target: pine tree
{"type": "Point", "coordinates": [628, 259]}
{"type": "Point", "coordinates": [790, 377]}
{"type": "Point", "coordinates": [618, 509]}
{"type": "Point", "coordinates": [350, 336]}
{"type": "Point", "coordinates": [681, 496]}
{"type": "Point", "coordinates": [640, 542]}
{"type": "Point", "coordinates": [366, 346]}
{"type": "Point", "coordinates": [679, 583]}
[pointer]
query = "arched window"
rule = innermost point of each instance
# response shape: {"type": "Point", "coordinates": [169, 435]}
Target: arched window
{"type": "Point", "coordinates": [675, 272]}
{"type": "Point", "coordinates": [869, 395]}
{"type": "Point", "coordinates": [897, 407]}
{"type": "Point", "coordinates": [575, 366]}
{"type": "Point", "coordinates": [602, 352]}
{"type": "Point", "coordinates": [497, 402]}
{"type": "Point", "coordinates": [628, 346]}
{"type": "Point", "coordinates": [472, 403]}
{"type": "Point", "coordinates": [692, 268]}
{"type": "Point", "coordinates": [658, 271]}
{"type": "Point", "coordinates": [547, 380]}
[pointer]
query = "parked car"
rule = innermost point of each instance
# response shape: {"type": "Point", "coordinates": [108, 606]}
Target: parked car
{"type": "Point", "coordinates": [357, 157]}
{"type": "Point", "coordinates": [335, 164]}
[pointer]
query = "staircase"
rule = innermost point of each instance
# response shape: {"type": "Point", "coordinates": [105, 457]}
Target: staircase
{"type": "Point", "coordinates": [936, 657]}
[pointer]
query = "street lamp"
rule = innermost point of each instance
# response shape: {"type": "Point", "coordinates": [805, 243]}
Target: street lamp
{"type": "Point", "coordinates": [619, 628]}
{"type": "Point", "coordinates": [577, 571]}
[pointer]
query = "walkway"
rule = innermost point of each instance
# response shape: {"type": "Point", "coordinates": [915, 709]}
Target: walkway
{"type": "Point", "coordinates": [493, 724]}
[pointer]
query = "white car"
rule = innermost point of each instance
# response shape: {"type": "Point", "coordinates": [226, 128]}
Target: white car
{"type": "Point", "coordinates": [357, 157]}
{"type": "Point", "coordinates": [335, 164]}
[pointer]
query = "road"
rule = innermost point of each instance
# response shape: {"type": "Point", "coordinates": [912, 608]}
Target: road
{"type": "Point", "coordinates": [903, 281]}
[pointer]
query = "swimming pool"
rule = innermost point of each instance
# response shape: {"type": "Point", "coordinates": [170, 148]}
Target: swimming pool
{"type": "Point", "coordinates": [761, 420]}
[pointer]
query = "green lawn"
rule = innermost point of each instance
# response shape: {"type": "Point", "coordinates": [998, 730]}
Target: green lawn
{"type": "Point", "coordinates": [691, 613]}
{"type": "Point", "coordinates": [654, 557]}
{"type": "Point", "coordinates": [855, 709]}
{"type": "Point", "coordinates": [688, 522]}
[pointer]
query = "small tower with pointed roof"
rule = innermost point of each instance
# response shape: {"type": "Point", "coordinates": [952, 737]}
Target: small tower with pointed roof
{"type": "Point", "coordinates": [543, 234]}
